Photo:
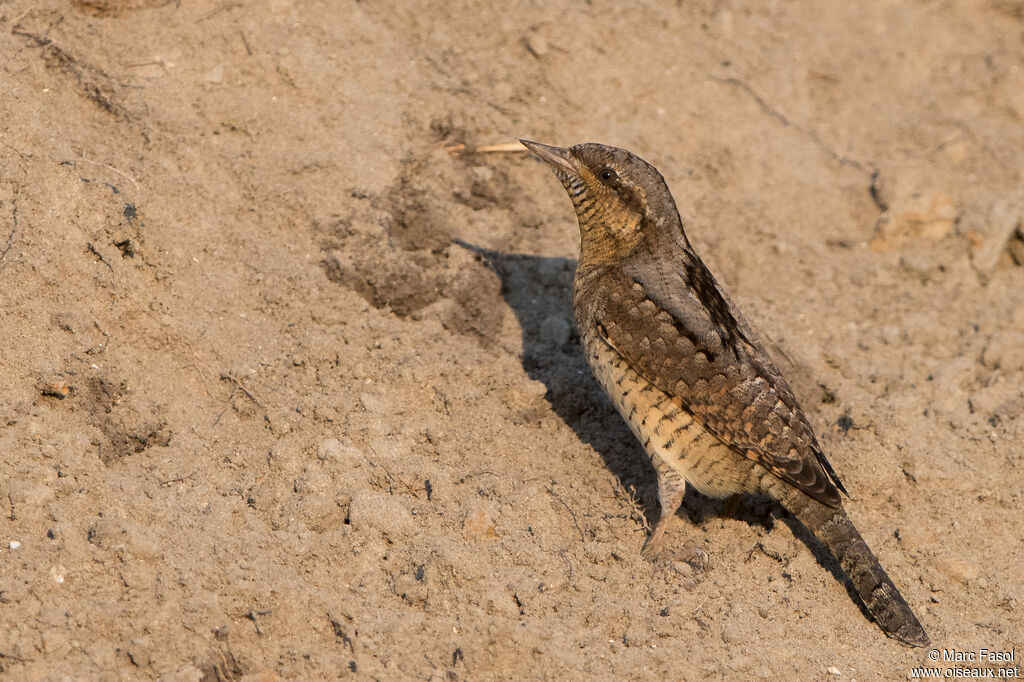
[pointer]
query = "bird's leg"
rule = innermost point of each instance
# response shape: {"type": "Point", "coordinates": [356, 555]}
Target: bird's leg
{"type": "Point", "coordinates": [670, 495]}
{"type": "Point", "coordinates": [671, 487]}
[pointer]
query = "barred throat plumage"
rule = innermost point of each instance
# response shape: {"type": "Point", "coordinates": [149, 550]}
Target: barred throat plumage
{"type": "Point", "coordinates": [687, 372]}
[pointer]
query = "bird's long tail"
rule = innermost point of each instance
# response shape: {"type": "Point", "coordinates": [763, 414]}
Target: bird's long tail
{"type": "Point", "coordinates": [833, 527]}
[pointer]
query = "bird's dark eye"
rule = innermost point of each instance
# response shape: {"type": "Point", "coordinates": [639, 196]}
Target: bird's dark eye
{"type": "Point", "coordinates": [608, 174]}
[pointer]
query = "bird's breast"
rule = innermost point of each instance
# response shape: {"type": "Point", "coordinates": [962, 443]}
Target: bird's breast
{"type": "Point", "coordinates": [668, 432]}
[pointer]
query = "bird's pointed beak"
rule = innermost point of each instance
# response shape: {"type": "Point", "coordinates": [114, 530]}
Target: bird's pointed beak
{"type": "Point", "coordinates": [559, 157]}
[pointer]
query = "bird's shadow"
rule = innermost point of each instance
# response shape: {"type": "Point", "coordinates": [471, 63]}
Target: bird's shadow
{"type": "Point", "coordinates": [538, 289]}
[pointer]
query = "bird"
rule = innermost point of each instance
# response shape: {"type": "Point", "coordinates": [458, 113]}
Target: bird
{"type": "Point", "coordinates": [689, 375]}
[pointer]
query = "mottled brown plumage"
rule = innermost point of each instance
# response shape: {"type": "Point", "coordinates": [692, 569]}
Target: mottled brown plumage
{"type": "Point", "coordinates": [687, 373]}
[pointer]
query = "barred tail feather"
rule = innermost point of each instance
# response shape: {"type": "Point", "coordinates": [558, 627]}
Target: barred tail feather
{"type": "Point", "coordinates": [876, 590]}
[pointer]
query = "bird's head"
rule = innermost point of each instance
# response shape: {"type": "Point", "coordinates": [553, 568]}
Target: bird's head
{"type": "Point", "coordinates": [620, 199]}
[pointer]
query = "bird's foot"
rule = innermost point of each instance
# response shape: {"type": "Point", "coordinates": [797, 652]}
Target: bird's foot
{"type": "Point", "coordinates": [686, 560]}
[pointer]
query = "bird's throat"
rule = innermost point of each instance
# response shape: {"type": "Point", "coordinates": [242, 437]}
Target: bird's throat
{"type": "Point", "coordinates": [609, 242]}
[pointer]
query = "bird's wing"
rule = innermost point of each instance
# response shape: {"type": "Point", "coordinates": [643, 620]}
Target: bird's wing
{"type": "Point", "coordinates": [676, 328]}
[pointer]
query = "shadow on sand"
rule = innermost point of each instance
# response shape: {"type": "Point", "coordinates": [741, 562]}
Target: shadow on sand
{"type": "Point", "coordinates": [539, 290]}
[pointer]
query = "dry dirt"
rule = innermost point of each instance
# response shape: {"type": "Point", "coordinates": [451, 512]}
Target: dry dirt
{"type": "Point", "coordinates": [290, 389]}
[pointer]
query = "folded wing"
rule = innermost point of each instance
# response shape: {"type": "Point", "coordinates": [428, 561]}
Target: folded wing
{"type": "Point", "coordinates": [687, 339]}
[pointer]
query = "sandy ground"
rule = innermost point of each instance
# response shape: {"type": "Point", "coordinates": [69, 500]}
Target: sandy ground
{"type": "Point", "coordinates": [291, 391]}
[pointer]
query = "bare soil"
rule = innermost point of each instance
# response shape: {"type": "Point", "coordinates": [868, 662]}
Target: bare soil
{"type": "Point", "coordinates": [290, 387]}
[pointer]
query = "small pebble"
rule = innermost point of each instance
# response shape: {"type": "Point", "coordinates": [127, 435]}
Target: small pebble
{"type": "Point", "coordinates": [682, 568]}
{"type": "Point", "coordinates": [832, 670]}
{"type": "Point", "coordinates": [537, 45]}
{"type": "Point", "coordinates": [57, 573]}
{"type": "Point", "coordinates": [15, 545]}
{"type": "Point", "coordinates": [333, 450]}
{"type": "Point", "coordinates": [733, 634]}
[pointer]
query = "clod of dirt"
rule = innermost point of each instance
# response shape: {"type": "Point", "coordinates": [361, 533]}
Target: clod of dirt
{"type": "Point", "coordinates": [337, 453]}
{"type": "Point", "coordinates": [123, 419]}
{"type": "Point", "coordinates": [1015, 246]}
{"type": "Point", "coordinates": [1005, 351]}
{"type": "Point", "coordinates": [993, 230]}
{"type": "Point", "coordinates": [922, 217]}
{"type": "Point", "coordinates": [963, 572]}
{"type": "Point", "coordinates": [124, 244]}
{"type": "Point", "coordinates": [55, 388]}
{"type": "Point", "coordinates": [221, 666]}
